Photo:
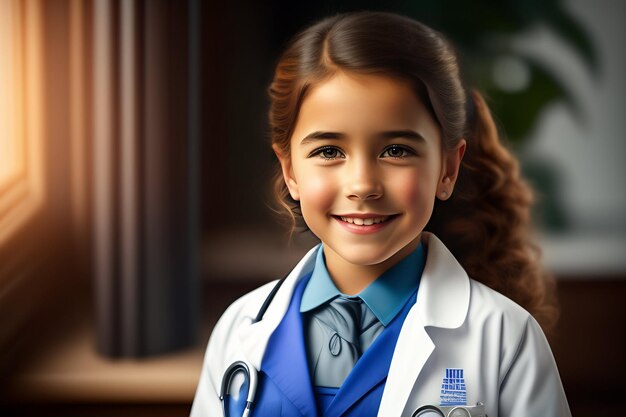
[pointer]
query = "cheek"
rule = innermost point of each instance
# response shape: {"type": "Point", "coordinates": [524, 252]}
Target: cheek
{"type": "Point", "coordinates": [317, 191]}
{"type": "Point", "coordinates": [413, 189]}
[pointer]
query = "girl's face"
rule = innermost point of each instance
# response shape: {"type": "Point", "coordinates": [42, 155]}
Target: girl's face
{"type": "Point", "coordinates": [366, 164]}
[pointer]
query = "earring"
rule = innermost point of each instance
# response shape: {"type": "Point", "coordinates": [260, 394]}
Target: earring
{"type": "Point", "coordinates": [444, 194]}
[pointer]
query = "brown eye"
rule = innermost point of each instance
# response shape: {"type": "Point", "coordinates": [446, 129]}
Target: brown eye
{"type": "Point", "coordinates": [396, 151]}
{"type": "Point", "coordinates": [327, 152]}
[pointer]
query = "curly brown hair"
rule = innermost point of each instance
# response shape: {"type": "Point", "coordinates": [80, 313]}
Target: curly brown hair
{"type": "Point", "coordinates": [486, 222]}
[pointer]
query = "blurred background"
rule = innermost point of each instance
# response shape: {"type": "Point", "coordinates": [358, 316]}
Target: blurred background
{"type": "Point", "coordinates": [135, 170]}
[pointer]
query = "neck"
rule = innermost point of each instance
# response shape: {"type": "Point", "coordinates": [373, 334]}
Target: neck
{"type": "Point", "coordinates": [351, 278]}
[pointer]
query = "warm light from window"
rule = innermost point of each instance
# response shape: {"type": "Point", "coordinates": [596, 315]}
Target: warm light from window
{"type": "Point", "coordinates": [11, 138]}
{"type": "Point", "coordinates": [21, 120]}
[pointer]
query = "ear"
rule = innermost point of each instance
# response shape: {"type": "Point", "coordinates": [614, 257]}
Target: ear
{"type": "Point", "coordinates": [451, 163]}
{"type": "Point", "coordinates": [288, 175]}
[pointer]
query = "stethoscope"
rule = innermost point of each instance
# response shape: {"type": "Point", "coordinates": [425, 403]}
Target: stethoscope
{"type": "Point", "coordinates": [248, 371]}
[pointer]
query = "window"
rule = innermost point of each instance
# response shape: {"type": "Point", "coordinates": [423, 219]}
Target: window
{"type": "Point", "coordinates": [21, 144]}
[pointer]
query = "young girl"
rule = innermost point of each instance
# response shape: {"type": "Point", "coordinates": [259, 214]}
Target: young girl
{"type": "Point", "coordinates": [402, 309]}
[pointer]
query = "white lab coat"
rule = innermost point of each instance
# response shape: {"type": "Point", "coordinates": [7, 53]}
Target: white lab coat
{"type": "Point", "coordinates": [456, 322]}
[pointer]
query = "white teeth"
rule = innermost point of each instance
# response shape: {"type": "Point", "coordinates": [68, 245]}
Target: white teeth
{"type": "Point", "coordinates": [365, 222]}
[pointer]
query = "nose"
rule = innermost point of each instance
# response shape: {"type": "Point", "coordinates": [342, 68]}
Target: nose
{"type": "Point", "coordinates": [362, 181]}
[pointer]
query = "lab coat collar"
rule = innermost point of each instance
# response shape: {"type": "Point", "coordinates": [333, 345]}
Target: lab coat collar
{"type": "Point", "coordinates": [443, 296]}
{"type": "Point", "coordinates": [253, 337]}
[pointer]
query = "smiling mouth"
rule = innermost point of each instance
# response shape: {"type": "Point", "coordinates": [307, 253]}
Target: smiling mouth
{"type": "Point", "coordinates": [366, 222]}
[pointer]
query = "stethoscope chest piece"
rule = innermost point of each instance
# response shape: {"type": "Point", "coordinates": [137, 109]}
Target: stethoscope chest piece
{"type": "Point", "coordinates": [450, 411]}
{"type": "Point", "coordinates": [238, 378]}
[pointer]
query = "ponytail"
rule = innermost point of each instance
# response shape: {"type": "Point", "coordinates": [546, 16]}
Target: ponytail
{"type": "Point", "coordinates": [486, 222]}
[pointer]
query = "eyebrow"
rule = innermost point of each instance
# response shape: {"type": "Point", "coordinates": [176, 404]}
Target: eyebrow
{"type": "Point", "coordinates": [406, 133]}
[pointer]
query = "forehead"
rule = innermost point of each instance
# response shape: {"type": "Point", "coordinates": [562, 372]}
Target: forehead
{"type": "Point", "coordinates": [358, 103]}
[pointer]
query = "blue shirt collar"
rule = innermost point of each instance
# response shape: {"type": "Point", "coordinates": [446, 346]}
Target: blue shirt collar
{"type": "Point", "coordinates": [385, 296]}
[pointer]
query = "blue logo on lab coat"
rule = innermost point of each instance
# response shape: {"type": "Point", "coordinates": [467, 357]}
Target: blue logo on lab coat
{"type": "Point", "coordinates": [453, 391]}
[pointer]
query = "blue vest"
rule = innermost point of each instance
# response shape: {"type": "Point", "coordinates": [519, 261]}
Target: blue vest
{"type": "Point", "coordinates": [285, 384]}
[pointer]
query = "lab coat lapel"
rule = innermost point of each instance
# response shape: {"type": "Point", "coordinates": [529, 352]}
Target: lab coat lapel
{"type": "Point", "coordinates": [442, 301]}
{"type": "Point", "coordinates": [416, 345]}
{"type": "Point", "coordinates": [371, 369]}
{"type": "Point", "coordinates": [285, 361]}
{"type": "Point", "coordinates": [253, 337]}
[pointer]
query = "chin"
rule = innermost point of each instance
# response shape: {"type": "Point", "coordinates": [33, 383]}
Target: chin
{"type": "Point", "coordinates": [366, 255]}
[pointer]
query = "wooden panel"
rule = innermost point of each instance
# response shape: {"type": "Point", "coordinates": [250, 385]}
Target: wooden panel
{"type": "Point", "coordinates": [590, 342]}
